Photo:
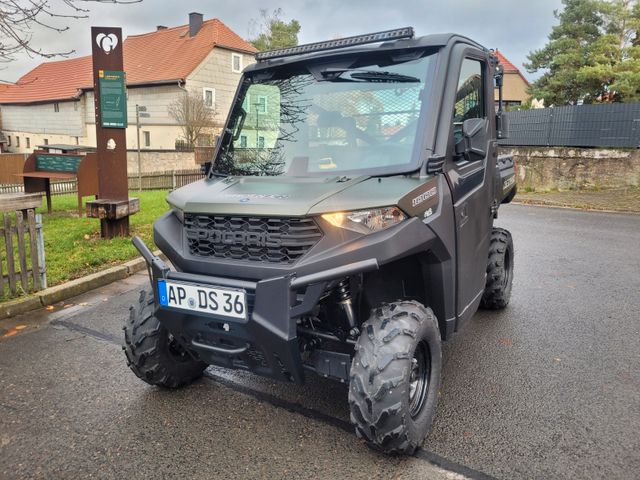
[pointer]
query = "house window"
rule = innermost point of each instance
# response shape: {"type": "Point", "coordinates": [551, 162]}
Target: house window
{"type": "Point", "coordinates": [8, 140]}
{"type": "Point", "coordinates": [246, 103]}
{"type": "Point", "coordinates": [261, 104]}
{"type": "Point", "coordinates": [236, 63]}
{"type": "Point", "coordinates": [243, 141]}
{"type": "Point", "coordinates": [75, 106]}
{"type": "Point", "coordinates": [204, 140]}
{"type": "Point", "coordinates": [17, 142]}
{"type": "Point", "coordinates": [28, 142]}
{"type": "Point", "coordinates": [209, 97]}
{"type": "Point", "coordinates": [56, 107]}
{"type": "Point", "coordinates": [46, 141]}
{"type": "Point", "coordinates": [260, 142]}
{"type": "Point", "coordinates": [147, 138]}
{"type": "Point", "coordinates": [77, 141]}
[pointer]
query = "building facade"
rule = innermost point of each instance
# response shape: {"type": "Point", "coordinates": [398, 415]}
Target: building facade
{"type": "Point", "coordinates": [515, 87]}
{"type": "Point", "coordinates": [54, 103]}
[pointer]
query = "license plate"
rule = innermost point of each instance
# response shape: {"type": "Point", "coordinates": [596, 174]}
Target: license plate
{"type": "Point", "coordinates": [218, 301]}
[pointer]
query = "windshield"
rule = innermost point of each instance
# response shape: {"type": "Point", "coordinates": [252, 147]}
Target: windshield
{"type": "Point", "coordinates": [327, 120]}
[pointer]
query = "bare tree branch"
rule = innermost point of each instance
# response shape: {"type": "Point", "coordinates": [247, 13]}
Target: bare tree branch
{"type": "Point", "coordinates": [19, 17]}
{"type": "Point", "coordinates": [193, 116]}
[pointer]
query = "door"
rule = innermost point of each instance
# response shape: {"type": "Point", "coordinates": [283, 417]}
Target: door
{"type": "Point", "coordinates": [471, 186]}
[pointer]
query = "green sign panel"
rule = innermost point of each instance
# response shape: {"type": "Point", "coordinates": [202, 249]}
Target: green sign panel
{"type": "Point", "coordinates": [57, 163]}
{"type": "Point", "coordinates": [113, 99]}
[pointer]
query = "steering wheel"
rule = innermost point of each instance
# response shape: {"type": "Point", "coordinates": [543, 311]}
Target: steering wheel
{"type": "Point", "coordinates": [333, 118]}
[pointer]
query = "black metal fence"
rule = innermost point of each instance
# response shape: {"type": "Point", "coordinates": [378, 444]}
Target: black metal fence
{"type": "Point", "coordinates": [602, 125]}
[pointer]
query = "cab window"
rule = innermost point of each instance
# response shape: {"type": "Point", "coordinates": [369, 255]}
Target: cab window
{"type": "Point", "coordinates": [469, 96]}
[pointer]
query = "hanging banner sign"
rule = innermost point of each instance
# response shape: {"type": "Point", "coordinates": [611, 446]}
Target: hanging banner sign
{"type": "Point", "coordinates": [113, 99]}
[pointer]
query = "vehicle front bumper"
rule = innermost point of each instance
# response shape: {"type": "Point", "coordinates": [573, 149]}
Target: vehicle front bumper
{"type": "Point", "coordinates": [266, 341]}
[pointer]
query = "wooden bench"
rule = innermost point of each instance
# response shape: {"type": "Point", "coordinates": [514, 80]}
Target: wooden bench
{"type": "Point", "coordinates": [41, 167]}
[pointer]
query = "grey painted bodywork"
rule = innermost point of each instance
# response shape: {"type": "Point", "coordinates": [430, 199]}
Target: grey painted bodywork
{"type": "Point", "coordinates": [445, 237]}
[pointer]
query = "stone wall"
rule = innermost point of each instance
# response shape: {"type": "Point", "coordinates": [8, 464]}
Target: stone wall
{"type": "Point", "coordinates": [564, 168]}
{"type": "Point", "coordinates": [160, 161]}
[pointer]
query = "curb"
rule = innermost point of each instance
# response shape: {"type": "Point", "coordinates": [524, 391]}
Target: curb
{"type": "Point", "coordinates": [540, 203]}
{"type": "Point", "coordinates": [73, 288]}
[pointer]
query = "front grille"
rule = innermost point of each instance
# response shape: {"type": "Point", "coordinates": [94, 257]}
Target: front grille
{"type": "Point", "coordinates": [258, 239]}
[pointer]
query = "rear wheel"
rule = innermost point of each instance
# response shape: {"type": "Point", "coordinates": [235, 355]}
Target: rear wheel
{"type": "Point", "coordinates": [152, 352]}
{"type": "Point", "coordinates": [497, 290]}
{"type": "Point", "coordinates": [395, 376]}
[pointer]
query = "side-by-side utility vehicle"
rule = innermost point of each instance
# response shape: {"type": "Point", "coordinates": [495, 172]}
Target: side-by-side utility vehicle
{"type": "Point", "coordinates": [344, 228]}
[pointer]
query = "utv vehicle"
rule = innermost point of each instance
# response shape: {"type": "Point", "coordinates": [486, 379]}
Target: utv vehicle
{"type": "Point", "coordinates": [344, 228]}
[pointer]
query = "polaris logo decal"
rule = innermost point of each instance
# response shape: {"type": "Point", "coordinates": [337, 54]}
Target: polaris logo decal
{"type": "Point", "coordinates": [226, 237]}
{"type": "Point", "coordinates": [508, 182]}
{"type": "Point", "coordinates": [424, 196]}
{"type": "Point", "coordinates": [245, 197]}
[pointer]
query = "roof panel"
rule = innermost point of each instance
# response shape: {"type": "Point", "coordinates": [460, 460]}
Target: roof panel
{"type": "Point", "coordinates": [163, 55]}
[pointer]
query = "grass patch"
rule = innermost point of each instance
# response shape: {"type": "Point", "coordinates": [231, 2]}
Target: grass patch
{"type": "Point", "coordinates": [73, 246]}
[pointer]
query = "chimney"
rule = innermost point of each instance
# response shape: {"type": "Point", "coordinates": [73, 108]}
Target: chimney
{"type": "Point", "coordinates": [161, 27]}
{"type": "Point", "coordinates": [195, 22]}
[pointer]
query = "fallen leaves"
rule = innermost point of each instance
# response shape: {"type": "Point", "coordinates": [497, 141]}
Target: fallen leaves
{"type": "Point", "coordinates": [13, 331]}
{"type": "Point", "coordinates": [505, 342]}
{"type": "Point", "coordinates": [10, 333]}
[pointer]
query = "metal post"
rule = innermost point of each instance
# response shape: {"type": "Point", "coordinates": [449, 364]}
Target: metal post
{"type": "Point", "coordinates": [138, 136]}
{"type": "Point", "coordinates": [41, 260]}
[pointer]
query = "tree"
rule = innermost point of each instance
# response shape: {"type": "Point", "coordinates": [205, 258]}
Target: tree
{"type": "Point", "coordinates": [615, 57]}
{"type": "Point", "coordinates": [592, 55]}
{"type": "Point", "coordinates": [275, 32]}
{"type": "Point", "coordinates": [19, 17]}
{"type": "Point", "coordinates": [193, 116]}
{"type": "Point", "coordinates": [566, 53]}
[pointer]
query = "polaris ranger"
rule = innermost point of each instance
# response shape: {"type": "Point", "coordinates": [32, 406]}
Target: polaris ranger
{"type": "Point", "coordinates": [344, 228]}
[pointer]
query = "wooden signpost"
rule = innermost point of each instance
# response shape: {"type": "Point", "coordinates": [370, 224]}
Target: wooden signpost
{"type": "Point", "coordinates": [109, 84]}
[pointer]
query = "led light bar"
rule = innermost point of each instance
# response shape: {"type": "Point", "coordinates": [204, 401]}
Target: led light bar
{"type": "Point", "coordinates": [396, 34]}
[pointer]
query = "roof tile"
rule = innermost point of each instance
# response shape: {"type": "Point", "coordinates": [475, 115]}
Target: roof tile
{"type": "Point", "coordinates": [163, 55]}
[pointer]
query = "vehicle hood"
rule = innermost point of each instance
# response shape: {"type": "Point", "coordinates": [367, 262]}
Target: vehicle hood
{"type": "Point", "coordinates": [288, 196]}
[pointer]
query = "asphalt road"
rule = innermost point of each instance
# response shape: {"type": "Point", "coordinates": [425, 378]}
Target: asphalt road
{"type": "Point", "coordinates": [548, 388]}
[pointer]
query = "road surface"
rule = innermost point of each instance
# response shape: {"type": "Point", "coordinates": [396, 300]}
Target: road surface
{"type": "Point", "coordinates": [548, 388]}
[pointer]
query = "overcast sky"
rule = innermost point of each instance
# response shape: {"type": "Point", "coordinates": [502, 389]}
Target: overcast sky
{"type": "Point", "coordinates": [514, 26]}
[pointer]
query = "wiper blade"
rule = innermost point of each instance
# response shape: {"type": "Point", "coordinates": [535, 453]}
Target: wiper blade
{"type": "Point", "coordinates": [335, 74]}
{"type": "Point", "coordinates": [374, 76]}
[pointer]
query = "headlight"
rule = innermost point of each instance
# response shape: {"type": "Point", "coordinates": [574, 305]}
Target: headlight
{"type": "Point", "coordinates": [366, 221]}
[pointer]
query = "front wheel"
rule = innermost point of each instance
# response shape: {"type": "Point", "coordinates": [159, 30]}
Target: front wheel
{"type": "Point", "coordinates": [152, 352]}
{"type": "Point", "coordinates": [395, 377]}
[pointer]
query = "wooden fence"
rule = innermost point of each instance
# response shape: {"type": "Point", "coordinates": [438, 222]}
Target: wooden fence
{"type": "Point", "coordinates": [168, 180]}
{"type": "Point", "coordinates": [22, 261]}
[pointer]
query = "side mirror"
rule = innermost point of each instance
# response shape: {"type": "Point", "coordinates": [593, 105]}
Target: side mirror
{"type": "Point", "coordinates": [473, 145]}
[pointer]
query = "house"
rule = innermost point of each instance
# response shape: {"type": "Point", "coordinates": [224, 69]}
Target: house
{"type": "Point", "coordinates": [54, 102]}
{"type": "Point", "coordinates": [515, 86]}
{"type": "Point", "coordinates": [3, 140]}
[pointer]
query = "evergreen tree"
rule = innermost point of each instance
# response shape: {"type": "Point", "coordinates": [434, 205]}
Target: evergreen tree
{"type": "Point", "coordinates": [275, 32]}
{"type": "Point", "coordinates": [593, 54]}
{"type": "Point", "coordinates": [567, 51]}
